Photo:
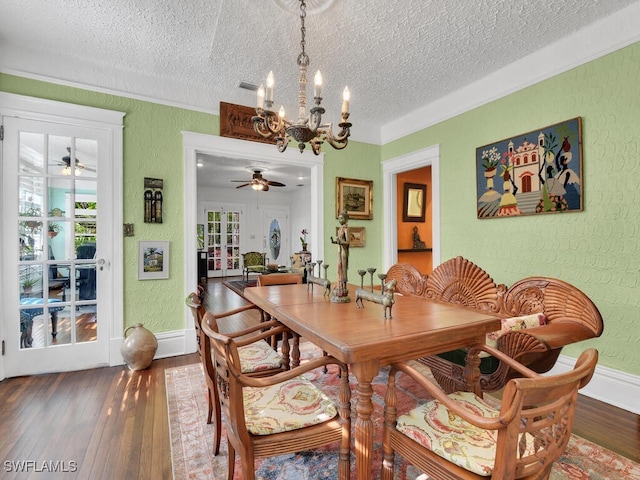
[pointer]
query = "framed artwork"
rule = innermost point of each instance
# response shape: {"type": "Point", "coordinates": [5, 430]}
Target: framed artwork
{"type": "Point", "coordinates": [355, 197]}
{"type": "Point", "coordinates": [153, 200]}
{"type": "Point", "coordinates": [414, 202]}
{"type": "Point", "coordinates": [357, 236]}
{"type": "Point", "coordinates": [153, 260]}
{"type": "Point", "coordinates": [532, 173]}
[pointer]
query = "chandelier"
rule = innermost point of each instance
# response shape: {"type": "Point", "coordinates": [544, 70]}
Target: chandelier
{"type": "Point", "coordinates": [308, 128]}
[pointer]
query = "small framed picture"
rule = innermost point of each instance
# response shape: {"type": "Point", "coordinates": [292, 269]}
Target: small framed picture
{"type": "Point", "coordinates": [357, 236]}
{"type": "Point", "coordinates": [153, 260]}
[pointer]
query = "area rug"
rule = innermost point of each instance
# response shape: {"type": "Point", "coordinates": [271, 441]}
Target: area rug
{"type": "Point", "coordinates": [238, 286]}
{"type": "Point", "coordinates": [192, 445]}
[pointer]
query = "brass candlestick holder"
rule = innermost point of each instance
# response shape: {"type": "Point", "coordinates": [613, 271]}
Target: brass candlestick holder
{"type": "Point", "coordinates": [371, 271]}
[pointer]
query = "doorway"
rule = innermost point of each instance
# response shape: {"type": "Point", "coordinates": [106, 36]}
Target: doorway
{"type": "Point", "coordinates": [59, 298]}
{"type": "Point", "coordinates": [429, 156]}
{"type": "Point", "coordinates": [251, 153]}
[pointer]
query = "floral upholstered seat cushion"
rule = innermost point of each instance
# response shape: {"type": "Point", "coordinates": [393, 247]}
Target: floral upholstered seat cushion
{"type": "Point", "coordinates": [448, 435]}
{"type": "Point", "coordinates": [291, 405]}
{"type": "Point", "coordinates": [258, 356]}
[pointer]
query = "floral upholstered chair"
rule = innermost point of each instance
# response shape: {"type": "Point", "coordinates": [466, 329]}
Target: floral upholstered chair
{"type": "Point", "coordinates": [257, 358]}
{"type": "Point", "coordinates": [253, 262]}
{"type": "Point", "coordinates": [463, 436]}
{"type": "Point", "coordinates": [278, 414]}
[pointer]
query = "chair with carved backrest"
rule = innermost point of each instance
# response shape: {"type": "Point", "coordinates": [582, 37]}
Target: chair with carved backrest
{"type": "Point", "coordinates": [540, 316]}
{"type": "Point", "coordinates": [462, 436]}
{"type": "Point", "coordinates": [279, 414]}
{"type": "Point", "coordinates": [253, 262]}
{"type": "Point", "coordinates": [257, 358]}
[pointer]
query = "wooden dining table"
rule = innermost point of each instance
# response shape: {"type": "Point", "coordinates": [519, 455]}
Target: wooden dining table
{"type": "Point", "coordinates": [364, 339]}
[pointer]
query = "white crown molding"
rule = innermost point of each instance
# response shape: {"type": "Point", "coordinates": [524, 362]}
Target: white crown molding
{"type": "Point", "coordinates": [601, 38]}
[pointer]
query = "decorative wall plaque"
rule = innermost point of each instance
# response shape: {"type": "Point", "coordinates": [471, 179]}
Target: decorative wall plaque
{"type": "Point", "coordinates": [235, 122]}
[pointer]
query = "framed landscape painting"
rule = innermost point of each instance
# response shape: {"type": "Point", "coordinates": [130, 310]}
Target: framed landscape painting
{"type": "Point", "coordinates": [532, 173]}
{"type": "Point", "coordinates": [355, 197]}
{"type": "Point", "coordinates": [153, 260]}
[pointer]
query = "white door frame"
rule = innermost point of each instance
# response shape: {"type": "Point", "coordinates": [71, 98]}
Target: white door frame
{"type": "Point", "coordinates": [390, 169]}
{"type": "Point", "coordinates": [111, 122]}
{"type": "Point", "coordinates": [194, 143]}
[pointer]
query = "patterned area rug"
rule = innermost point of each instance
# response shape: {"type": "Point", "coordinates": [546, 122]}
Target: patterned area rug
{"type": "Point", "coordinates": [238, 286]}
{"type": "Point", "coordinates": [192, 446]}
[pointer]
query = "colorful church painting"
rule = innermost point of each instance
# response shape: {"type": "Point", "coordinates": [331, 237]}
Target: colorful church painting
{"type": "Point", "coordinates": [533, 173]}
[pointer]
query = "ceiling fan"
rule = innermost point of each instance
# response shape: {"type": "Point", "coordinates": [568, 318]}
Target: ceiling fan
{"type": "Point", "coordinates": [257, 182]}
{"type": "Point", "coordinates": [66, 163]}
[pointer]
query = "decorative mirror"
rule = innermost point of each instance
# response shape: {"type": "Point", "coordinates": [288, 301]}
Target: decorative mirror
{"type": "Point", "coordinates": [414, 204]}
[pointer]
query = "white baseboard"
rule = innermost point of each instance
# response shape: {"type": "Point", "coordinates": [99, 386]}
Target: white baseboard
{"type": "Point", "coordinates": [170, 344]}
{"type": "Point", "coordinates": [607, 385]}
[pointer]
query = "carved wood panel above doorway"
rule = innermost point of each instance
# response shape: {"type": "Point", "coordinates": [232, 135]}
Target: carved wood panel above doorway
{"type": "Point", "coordinates": [235, 122]}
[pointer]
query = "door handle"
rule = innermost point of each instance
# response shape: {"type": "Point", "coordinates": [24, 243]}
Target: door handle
{"type": "Point", "coordinates": [102, 263]}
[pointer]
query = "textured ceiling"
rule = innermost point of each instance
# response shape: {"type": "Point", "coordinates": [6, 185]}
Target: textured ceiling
{"type": "Point", "coordinates": [395, 56]}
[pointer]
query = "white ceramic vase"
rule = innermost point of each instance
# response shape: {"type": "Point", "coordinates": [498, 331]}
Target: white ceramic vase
{"type": "Point", "coordinates": [138, 347]}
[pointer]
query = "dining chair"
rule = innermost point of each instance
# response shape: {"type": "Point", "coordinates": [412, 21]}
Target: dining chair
{"type": "Point", "coordinates": [463, 436]}
{"type": "Point", "coordinates": [279, 414]}
{"type": "Point", "coordinates": [279, 279]}
{"type": "Point", "coordinates": [256, 358]}
{"type": "Point", "coordinates": [282, 279]}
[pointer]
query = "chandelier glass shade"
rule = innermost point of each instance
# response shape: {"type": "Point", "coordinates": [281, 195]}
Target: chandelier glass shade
{"type": "Point", "coordinates": [309, 127]}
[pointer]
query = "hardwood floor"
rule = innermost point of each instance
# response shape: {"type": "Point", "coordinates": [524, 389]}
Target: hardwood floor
{"type": "Point", "coordinates": [111, 423]}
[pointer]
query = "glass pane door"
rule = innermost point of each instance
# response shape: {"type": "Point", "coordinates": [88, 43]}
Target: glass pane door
{"type": "Point", "coordinates": [51, 215]}
{"type": "Point", "coordinates": [223, 242]}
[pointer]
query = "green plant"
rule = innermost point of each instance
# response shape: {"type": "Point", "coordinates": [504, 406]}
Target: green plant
{"type": "Point", "coordinates": [55, 227]}
{"type": "Point", "coordinates": [29, 276]}
{"type": "Point", "coordinates": [31, 226]}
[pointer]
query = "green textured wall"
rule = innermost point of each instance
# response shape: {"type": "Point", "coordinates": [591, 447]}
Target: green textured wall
{"type": "Point", "coordinates": [360, 161]}
{"type": "Point", "coordinates": [152, 148]}
{"type": "Point", "coordinates": [597, 249]}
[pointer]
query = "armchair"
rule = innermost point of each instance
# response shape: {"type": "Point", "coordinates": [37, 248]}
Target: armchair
{"type": "Point", "coordinates": [462, 436]}
{"type": "Point", "coordinates": [253, 262]}
{"type": "Point", "coordinates": [257, 358]}
{"type": "Point", "coordinates": [279, 414]}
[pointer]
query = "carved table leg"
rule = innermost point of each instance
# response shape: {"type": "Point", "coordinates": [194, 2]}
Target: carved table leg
{"type": "Point", "coordinates": [363, 431]}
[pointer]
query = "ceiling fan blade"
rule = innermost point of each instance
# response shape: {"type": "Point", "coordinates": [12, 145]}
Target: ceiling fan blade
{"type": "Point", "coordinates": [241, 181]}
{"type": "Point", "coordinates": [246, 184]}
{"type": "Point", "coordinates": [275, 184]}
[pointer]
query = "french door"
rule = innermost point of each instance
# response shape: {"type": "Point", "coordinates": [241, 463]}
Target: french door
{"type": "Point", "coordinates": [57, 250]}
{"type": "Point", "coordinates": [223, 242]}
